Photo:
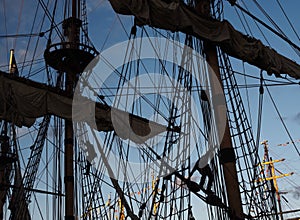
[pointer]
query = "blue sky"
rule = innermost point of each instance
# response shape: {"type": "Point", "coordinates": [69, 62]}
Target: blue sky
{"type": "Point", "coordinates": [105, 30]}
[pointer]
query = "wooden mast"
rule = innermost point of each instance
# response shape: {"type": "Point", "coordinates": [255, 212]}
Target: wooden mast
{"type": "Point", "coordinates": [72, 37]}
{"type": "Point", "coordinates": [272, 177]}
{"type": "Point", "coordinates": [227, 155]}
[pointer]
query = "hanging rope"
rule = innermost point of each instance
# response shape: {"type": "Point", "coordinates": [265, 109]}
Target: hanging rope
{"type": "Point", "coordinates": [19, 22]}
{"type": "Point", "coordinates": [260, 105]}
{"type": "Point", "coordinates": [287, 18]}
{"type": "Point", "coordinates": [5, 24]}
{"type": "Point", "coordinates": [258, 27]}
{"type": "Point", "coordinates": [283, 37]}
{"type": "Point", "coordinates": [247, 93]}
{"type": "Point", "coordinates": [50, 17]}
{"type": "Point", "coordinates": [282, 121]}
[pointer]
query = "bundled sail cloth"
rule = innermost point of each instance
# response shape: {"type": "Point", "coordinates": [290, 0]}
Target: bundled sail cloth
{"type": "Point", "coordinates": [176, 16]}
{"type": "Point", "coordinates": [22, 101]}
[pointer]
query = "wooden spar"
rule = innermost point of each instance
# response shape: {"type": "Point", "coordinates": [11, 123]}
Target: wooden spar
{"type": "Point", "coordinates": [33, 190]}
{"type": "Point", "coordinates": [226, 148]}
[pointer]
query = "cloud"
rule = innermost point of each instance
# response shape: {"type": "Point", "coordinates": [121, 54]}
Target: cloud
{"type": "Point", "coordinates": [95, 4]}
{"type": "Point", "coordinates": [20, 53]}
{"type": "Point", "coordinates": [297, 118]}
{"type": "Point", "coordinates": [296, 193]}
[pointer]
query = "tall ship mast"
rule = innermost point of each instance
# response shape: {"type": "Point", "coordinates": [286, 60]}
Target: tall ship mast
{"type": "Point", "coordinates": [147, 118]}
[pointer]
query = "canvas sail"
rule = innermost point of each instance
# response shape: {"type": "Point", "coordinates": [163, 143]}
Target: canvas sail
{"type": "Point", "coordinates": [24, 100]}
{"type": "Point", "coordinates": [176, 16]}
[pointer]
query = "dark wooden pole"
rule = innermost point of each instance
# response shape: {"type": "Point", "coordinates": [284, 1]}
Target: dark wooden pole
{"type": "Point", "coordinates": [70, 81]}
{"type": "Point", "coordinates": [227, 155]}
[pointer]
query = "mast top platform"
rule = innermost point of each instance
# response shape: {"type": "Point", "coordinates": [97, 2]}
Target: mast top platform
{"type": "Point", "coordinates": [70, 56]}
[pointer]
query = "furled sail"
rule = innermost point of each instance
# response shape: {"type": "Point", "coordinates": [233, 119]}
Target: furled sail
{"type": "Point", "coordinates": [176, 16]}
{"type": "Point", "coordinates": [23, 100]}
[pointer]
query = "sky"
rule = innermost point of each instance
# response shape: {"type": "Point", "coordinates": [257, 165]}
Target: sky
{"type": "Point", "coordinates": [105, 30]}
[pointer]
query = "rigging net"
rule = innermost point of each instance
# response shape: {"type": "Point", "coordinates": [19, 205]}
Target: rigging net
{"type": "Point", "coordinates": [169, 196]}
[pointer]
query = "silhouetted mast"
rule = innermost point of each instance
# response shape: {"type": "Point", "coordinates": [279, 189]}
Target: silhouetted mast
{"type": "Point", "coordinates": [70, 57]}
{"type": "Point", "coordinates": [227, 155]}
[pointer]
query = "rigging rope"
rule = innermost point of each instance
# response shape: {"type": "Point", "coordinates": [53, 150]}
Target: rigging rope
{"type": "Point", "coordinates": [247, 94]}
{"type": "Point", "coordinates": [289, 21]}
{"type": "Point", "coordinates": [242, 22]}
{"type": "Point", "coordinates": [22, 35]}
{"type": "Point", "coordinates": [269, 80]}
{"type": "Point", "coordinates": [260, 108]}
{"type": "Point", "coordinates": [5, 25]}
{"type": "Point", "coordinates": [245, 148]}
{"type": "Point", "coordinates": [28, 43]}
{"type": "Point", "coordinates": [19, 22]}
{"type": "Point", "coordinates": [50, 17]}
{"type": "Point", "coordinates": [283, 37]}
{"type": "Point", "coordinates": [258, 27]}
{"type": "Point", "coordinates": [282, 121]}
